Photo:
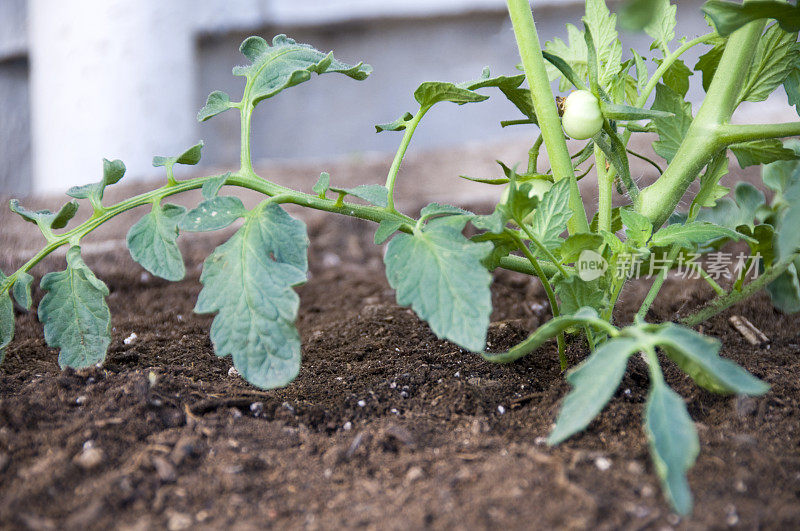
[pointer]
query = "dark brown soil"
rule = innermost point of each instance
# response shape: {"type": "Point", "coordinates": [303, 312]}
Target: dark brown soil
{"type": "Point", "coordinates": [386, 427]}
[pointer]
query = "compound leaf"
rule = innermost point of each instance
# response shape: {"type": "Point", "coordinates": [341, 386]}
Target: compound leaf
{"type": "Point", "coordinates": [285, 64]}
{"type": "Point", "coordinates": [775, 58]}
{"type": "Point", "coordinates": [75, 315]}
{"type": "Point", "coordinates": [213, 214]}
{"type": "Point", "coordinates": [550, 218]}
{"type": "Point", "coordinates": [153, 242]}
{"type": "Point", "coordinates": [438, 272]}
{"type": "Point", "coordinates": [761, 152]}
{"type": "Point", "coordinates": [576, 293]}
{"type": "Point", "coordinates": [671, 131]}
{"type": "Point", "coordinates": [698, 356]}
{"type": "Point", "coordinates": [247, 281]}
{"type": "Point", "coordinates": [593, 382]}
{"type": "Point", "coordinates": [662, 23]}
{"type": "Point", "coordinates": [674, 444]}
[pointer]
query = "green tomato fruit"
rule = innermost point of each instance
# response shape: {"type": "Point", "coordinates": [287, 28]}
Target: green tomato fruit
{"type": "Point", "coordinates": [582, 117]}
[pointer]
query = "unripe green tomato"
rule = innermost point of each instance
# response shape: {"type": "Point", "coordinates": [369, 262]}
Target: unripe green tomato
{"type": "Point", "coordinates": [582, 117]}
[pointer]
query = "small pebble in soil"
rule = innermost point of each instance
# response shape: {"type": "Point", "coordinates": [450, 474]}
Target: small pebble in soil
{"type": "Point", "coordinates": [602, 464]}
{"type": "Point", "coordinates": [731, 518]}
{"type": "Point", "coordinates": [81, 400]}
{"type": "Point", "coordinates": [347, 426]}
{"type": "Point", "coordinates": [130, 339]}
{"type": "Point", "coordinates": [362, 403]}
{"type": "Point", "coordinates": [501, 409]}
{"type": "Point", "coordinates": [144, 277]}
{"type": "Point", "coordinates": [232, 372]}
{"type": "Point", "coordinates": [257, 408]}
{"type": "Point", "coordinates": [89, 457]}
{"type": "Point", "coordinates": [540, 441]}
{"type": "Point", "coordinates": [414, 473]}
{"type": "Point", "coordinates": [394, 410]}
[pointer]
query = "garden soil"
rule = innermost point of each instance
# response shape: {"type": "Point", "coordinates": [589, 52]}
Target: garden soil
{"type": "Point", "coordinates": [386, 427]}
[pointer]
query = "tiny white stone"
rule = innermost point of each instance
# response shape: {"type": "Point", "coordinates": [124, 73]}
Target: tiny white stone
{"type": "Point", "coordinates": [394, 410]}
{"type": "Point", "coordinates": [501, 409]}
{"type": "Point", "coordinates": [602, 464]}
{"type": "Point", "coordinates": [362, 403]}
{"type": "Point", "coordinates": [144, 277]}
{"type": "Point", "coordinates": [130, 339]}
{"type": "Point", "coordinates": [627, 392]}
{"type": "Point", "coordinates": [540, 441]}
{"type": "Point", "coordinates": [233, 372]}
{"type": "Point", "coordinates": [457, 374]}
{"type": "Point", "coordinates": [81, 400]}
{"type": "Point", "coordinates": [180, 317]}
{"type": "Point", "coordinates": [347, 426]}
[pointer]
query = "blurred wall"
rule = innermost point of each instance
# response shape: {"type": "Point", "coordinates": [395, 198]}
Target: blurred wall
{"type": "Point", "coordinates": [124, 78]}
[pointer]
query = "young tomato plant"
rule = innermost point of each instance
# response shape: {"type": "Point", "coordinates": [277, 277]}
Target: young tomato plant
{"type": "Point", "coordinates": [248, 281]}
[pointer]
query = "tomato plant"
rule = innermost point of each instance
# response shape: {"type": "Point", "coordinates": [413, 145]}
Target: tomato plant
{"type": "Point", "coordinates": [445, 276]}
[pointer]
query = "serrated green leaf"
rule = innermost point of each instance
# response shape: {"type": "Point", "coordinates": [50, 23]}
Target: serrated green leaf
{"type": "Point", "coordinates": [603, 26]}
{"type": "Point", "coordinates": [662, 23]}
{"type": "Point", "coordinates": [637, 227]}
{"type": "Point", "coordinates": [779, 175]}
{"type": "Point", "coordinates": [576, 243]}
{"type": "Point", "coordinates": [698, 356]}
{"type": "Point", "coordinates": [375, 194]}
{"type": "Point", "coordinates": [708, 62]}
{"type": "Point", "coordinates": [438, 272]}
{"type": "Point", "coordinates": [75, 315]}
{"type": "Point", "coordinates": [509, 86]}
{"type": "Point", "coordinates": [398, 125]}
{"type": "Point", "coordinates": [593, 382]}
{"type": "Point", "coordinates": [22, 289]}
{"type": "Point", "coordinates": [212, 186]}
{"type": "Point", "coordinates": [285, 64]}
{"type": "Point", "coordinates": [677, 77]}
{"type": "Point", "coordinates": [642, 75]}
{"type": "Point", "coordinates": [728, 16]}
{"type": "Point", "coordinates": [728, 213]}
{"type": "Point", "coordinates": [690, 234]}
{"type": "Point", "coordinates": [386, 229]}
{"type": "Point", "coordinates": [671, 131]}
{"type": "Point", "coordinates": [6, 320]}
{"type": "Point", "coordinates": [710, 189]}
{"type": "Point", "coordinates": [46, 218]}
{"type": "Point", "coordinates": [674, 444]}
{"type": "Point", "coordinates": [437, 209]}
{"type": "Point", "coordinates": [550, 218]}
{"type": "Point", "coordinates": [566, 70]}
{"type": "Point", "coordinates": [322, 185]}
{"type": "Point", "coordinates": [573, 54]}
{"type": "Point", "coordinates": [775, 58]}
{"type": "Point", "coordinates": [494, 223]}
{"type": "Point", "coordinates": [216, 103]}
{"type": "Point", "coordinates": [761, 152]}
{"type": "Point", "coordinates": [213, 214]}
{"type": "Point", "coordinates": [575, 293]}
{"type": "Point", "coordinates": [433, 92]}
{"type": "Point", "coordinates": [792, 87]}
{"type": "Point", "coordinates": [247, 281]}
{"type": "Point", "coordinates": [153, 242]}
{"type": "Point", "coordinates": [113, 171]}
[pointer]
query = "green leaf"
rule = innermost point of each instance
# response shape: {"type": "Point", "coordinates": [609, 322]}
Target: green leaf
{"type": "Point", "coordinates": [728, 213]}
{"type": "Point", "coordinates": [609, 142]}
{"type": "Point", "coordinates": [375, 194]}
{"type": "Point", "coordinates": [45, 218]}
{"type": "Point", "coordinates": [776, 55]}
{"type": "Point", "coordinates": [386, 229]}
{"type": "Point", "coordinates": [398, 125]}
{"type": "Point", "coordinates": [637, 227]}
{"type": "Point", "coordinates": [671, 131]}
{"type": "Point", "coordinates": [438, 272]}
{"type": "Point", "coordinates": [153, 242]}
{"type": "Point", "coordinates": [642, 75]}
{"type": "Point", "coordinates": [788, 241]}
{"type": "Point", "coordinates": [710, 189]}
{"type": "Point", "coordinates": [566, 70]}
{"type": "Point", "coordinates": [6, 320]}
{"type": "Point", "coordinates": [698, 356]}
{"type": "Point", "coordinates": [212, 186]}
{"type": "Point", "coordinates": [575, 293]}
{"type": "Point", "coordinates": [593, 382]}
{"type": "Point", "coordinates": [494, 223]}
{"type": "Point", "coordinates": [113, 171]}
{"type": "Point", "coordinates": [509, 86]}
{"type": "Point", "coordinates": [728, 16]}
{"type": "Point", "coordinates": [708, 62]}
{"type": "Point", "coordinates": [216, 103]}
{"type": "Point", "coordinates": [779, 175]}
{"type": "Point", "coordinates": [761, 152]}
{"type": "Point", "coordinates": [75, 314]}
{"type": "Point", "coordinates": [792, 87]}
{"type": "Point", "coordinates": [189, 157]}
{"type": "Point", "coordinates": [22, 289]}
{"type": "Point", "coordinates": [573, 54]}
{"type": "Point", "coordinates": [433, 92]}
{"type": "Point", "coordinates": [662, 23]}
{"type": "Point", "coordinates": [285, 64]}
{"type": "Point", "coordinates": [322, 185]}
{"type": "Point", "coordinates": [674, 444]}
{"type": "Point", "coordinates": [616, 221]}
{"type": "Point", "coordinates": [763, 237]}
{"type": "Point", "coordinates": [550, 218]}
{"type": "Point", "coordinates": [576, 243]}
{"type": "Point", "coordinates": [636, 14]}
{"type": "Point", "coordinates": [693, 233]}
{"type": "Point", "coordinates": [247, 281]}
{"type": "Point", "coordinates": [677, 77]}
{"type": "Point", "coordinates": [213, 214]}
{"type": "Point", "coordinates": [784, 291]}
{"type": "Point", "coordinates": [436, 209]}
{"type": "Point", "coordinates": [603, 26]}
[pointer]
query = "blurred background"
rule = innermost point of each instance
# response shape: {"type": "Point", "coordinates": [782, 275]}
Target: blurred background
{"type": "Point", "coordinates": [85, 79]}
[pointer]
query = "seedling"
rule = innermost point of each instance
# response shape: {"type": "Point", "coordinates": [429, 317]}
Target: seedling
{"type": "Point", "coordinates": [444, 276]}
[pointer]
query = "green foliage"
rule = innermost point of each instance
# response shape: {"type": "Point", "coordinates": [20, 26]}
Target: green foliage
{"type": "Point", "coordinates": [189, 157]}
{"type": "Point", "coordinates": [45, 219]}
{"type": "Point", "coordinates": [550, 217]}
{"type": "Point", "coordinates": [672, 130]}
{"type": "Point", "coordinates": [438, 272]}
{"type": "Point", "coordinates": [247, 281]}
{"type": "Point", "coordinates": [374, 194]}
{"type": "Point", "coordinates": [776, 57]}
{"type": "Point", "coordinates": [113, 171]}
{"type": "Point", "coordinates": [75, 314]}
{"type": "Point", "coordinates": [212, 214]}
{"type": "Point", "coordinates": [153, 242]}
{"type": "Point", "coordinates": [22, 289]}
{"type": "Point", "coordinates": [728, 16]}
{"type": "Point", "coordinates": [575, 293]}
{"type": "Point", "coordinates": [6, 319]}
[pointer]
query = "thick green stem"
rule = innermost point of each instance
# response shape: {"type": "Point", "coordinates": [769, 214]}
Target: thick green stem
{"type": "Point", "coordinates": [605, 191]}
{"type": "Point", "coordinates": [659, 200]}
{"type": "Point", "coordinates": [247, 114]}
{"type": "Point", "coordinates": [411, 126]}
{"type": "Point", "coordinates": [544, 105]}
{"type": "Point", "coordinates": [734, 134]}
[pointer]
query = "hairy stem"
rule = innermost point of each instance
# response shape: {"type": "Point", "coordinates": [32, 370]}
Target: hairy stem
{"type": "Point", "coordinates": [734, 134]}
{"type": "Point", "coordinates": [605, 191]}
{"type": "Point", "coordinates": [411, 126]}
{"type": "Point", "coordinates": [545, 106]}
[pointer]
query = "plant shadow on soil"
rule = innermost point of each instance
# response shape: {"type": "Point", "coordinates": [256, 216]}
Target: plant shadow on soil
{"type": "Point", "coordinates": [386, 427]}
